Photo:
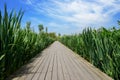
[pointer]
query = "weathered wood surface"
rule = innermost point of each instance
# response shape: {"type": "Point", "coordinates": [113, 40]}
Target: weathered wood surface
{"type": "Point", "coordinates": [57, 62]}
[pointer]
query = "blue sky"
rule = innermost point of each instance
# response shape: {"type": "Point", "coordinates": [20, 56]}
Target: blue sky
{"type": "Point", "coordinates": [67, 16]}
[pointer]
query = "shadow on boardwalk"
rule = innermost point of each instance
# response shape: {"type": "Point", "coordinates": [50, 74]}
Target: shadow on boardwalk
{"type": "Point", "coordinates": [57, 62]}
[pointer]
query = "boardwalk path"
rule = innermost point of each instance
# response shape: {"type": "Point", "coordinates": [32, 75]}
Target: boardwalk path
{"type": "Point", "coordinates": [59, 63]}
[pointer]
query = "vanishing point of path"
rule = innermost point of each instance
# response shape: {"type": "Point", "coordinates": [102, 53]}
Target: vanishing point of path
{"type": "Point", "coordinates": [57, 62]}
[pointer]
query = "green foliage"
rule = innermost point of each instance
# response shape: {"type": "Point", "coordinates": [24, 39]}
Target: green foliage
{"type": "Point", "coordinates": [100, 47]}
{"type": "Point", "coordinates": [46, 30]}
{"type": "Point", "coordinates": [118, 22]}
{"type": "Point", "coordinates": [40, 26]}
{"type": "Point", "coordinates": [17, 45]}
{"type": "Point", "coordinates": [53, 35]}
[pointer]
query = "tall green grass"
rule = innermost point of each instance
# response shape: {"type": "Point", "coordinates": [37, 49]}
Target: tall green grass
{"type": "Point", "coordinates": [17, 45]}
{"type": "Point", "coordinates": [100, 47]}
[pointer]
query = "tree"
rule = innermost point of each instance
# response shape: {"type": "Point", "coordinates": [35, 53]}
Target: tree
{"type": "Point", "coordinates": [40, 26]}
{"type": "Point", "coordinates": [28, 25]}
{"type": "Point", "coordinates": [59, 34]}
{"type": "Point", "coordinates": [46, 30]}
{"type": "Point", "coordinates": [118, 22]}
{"type": "Point", "coordinates": [53, 35]}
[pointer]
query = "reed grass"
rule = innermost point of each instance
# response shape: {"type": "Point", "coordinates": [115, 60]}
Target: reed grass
{"type": "Point", "coordinates": [100, 47]}
{"type": "Point", "coordinates": [18, 45]}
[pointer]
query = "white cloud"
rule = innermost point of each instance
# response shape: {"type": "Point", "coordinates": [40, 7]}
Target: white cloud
{"type": "Point", "coordinates": [77, 12]}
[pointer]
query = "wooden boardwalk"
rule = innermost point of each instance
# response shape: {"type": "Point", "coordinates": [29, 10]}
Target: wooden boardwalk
{"type": "Point", "coordinates": [57, 62]}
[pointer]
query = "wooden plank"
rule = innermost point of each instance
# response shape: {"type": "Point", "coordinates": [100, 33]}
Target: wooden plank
{"type": "Point", "coordinates": [80, 70]}
{"type": "Point", "coordinates": [32, 67]}
{"type": "Point", "coordinates": [92, 74]}
{"type": "Point", "coordinates": [65, 70]}
{"type": "Point", "coordinates": [39, 69]}
{"type": "Point", "coordinates": [50, 69]}
{"type": "Point", "coordinates": [25, 69]}
{"type": "Point", "coordinates": [74, 69]}
{"type": "Point", "coordinates": [45, 69]}
{"type": "Point", "coordinates": [96, 71]}
{"type": "Point", "coordinates": [25, 74]}
{"type": "Point", "coordinates": [59, 63]}
{"type": "Point", "coordinates": [55, 70]}
{"type": "Point", "coordinates": [89, 70]}
{"type": "Point", "coordinates": [60, 70]}
{"type": "Point", "coordinates": [70, 70]}
{"type": "Point", "coordinates": [35, 69]}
